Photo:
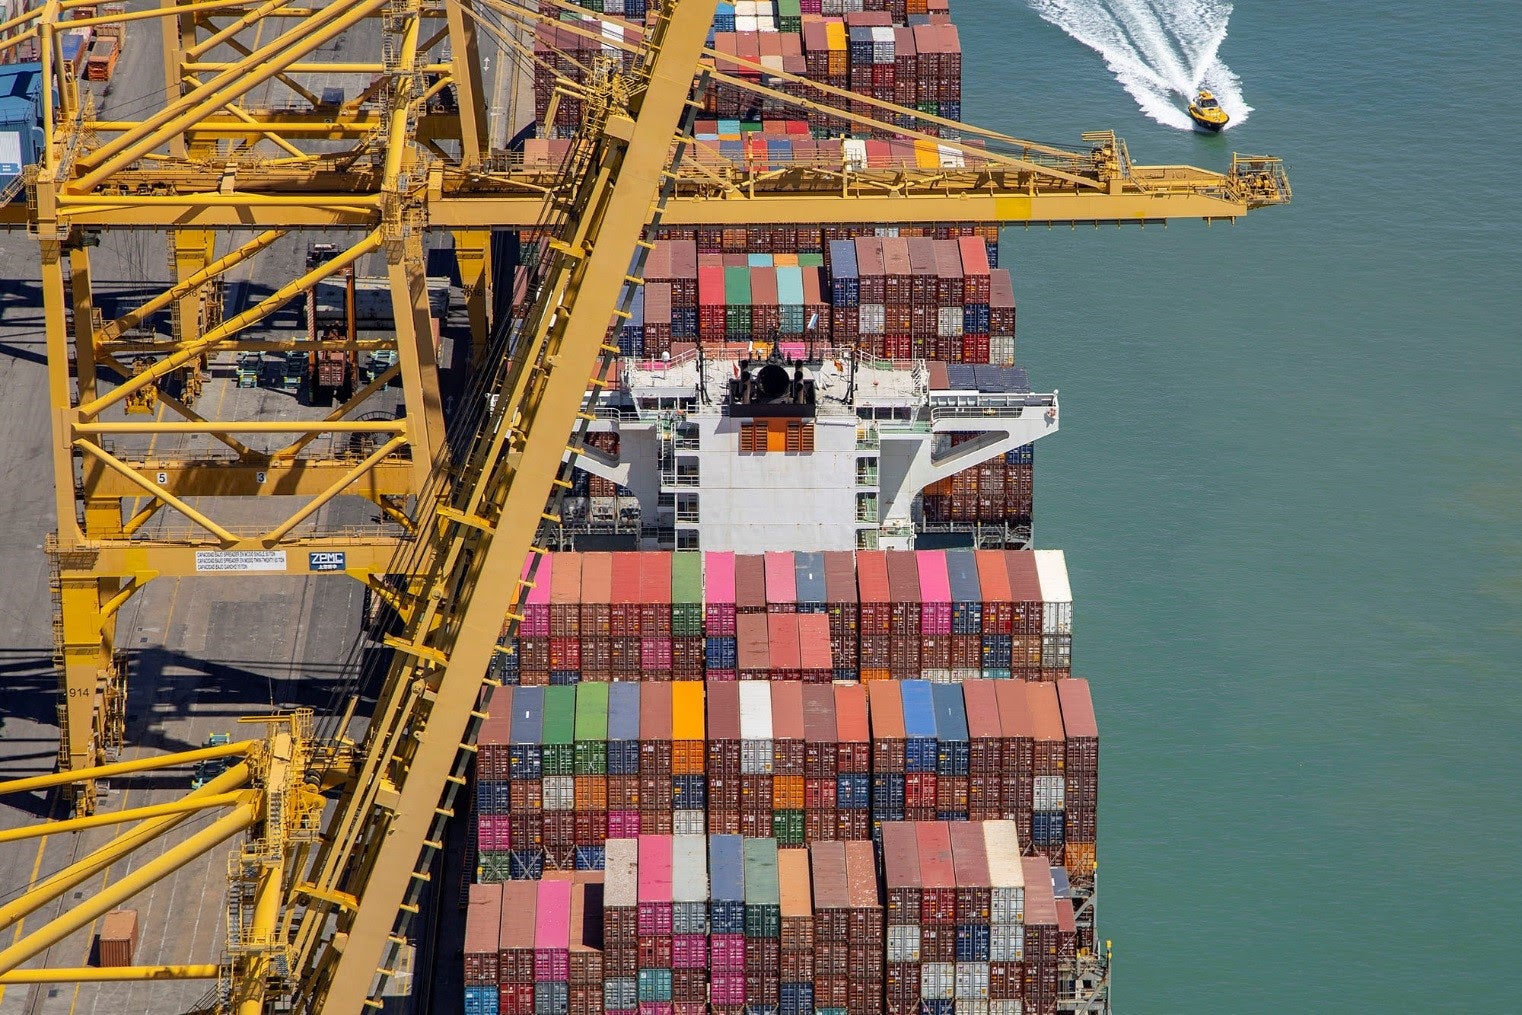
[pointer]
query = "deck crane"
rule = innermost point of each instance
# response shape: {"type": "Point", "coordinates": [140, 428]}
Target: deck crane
{"type": "Point", "coordinates": [318, 907]}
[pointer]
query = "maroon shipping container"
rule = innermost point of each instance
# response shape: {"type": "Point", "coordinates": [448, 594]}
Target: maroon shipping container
{"type": "Point", "coordinates": [723, 703]}
{"type": "Point", "coordinates": [1050, 743]}
{"type": "Point", "coordinates": [786, 661]}
{"type": "Point", "coordinates": [841, 607]}
{"type": "Point", "coordinates": [986, 764]}
{"type": "Point", "coordinates": [901, 873]}
{"type": "Point", "coordinates": [788, 732]}
{"type": "Point", "coordinates": [872, 589]}
{"type": "Point", "coordinates": [938, 882]}
{"type": "Point", "coordinates": [515, 954]}
{"type": "Point", "coordinates": [596, 594]}
{"type": "Point", "coordinates": [1019, 745]}
{"type": "Point", "coordinates": [118, 938]}
{"type": "Point", "coordinates": [816, 658]}
{"type": "Point", "coordinates": [492, 751]}
{"type": "Point", "coordinates": [753, 646]}
{"type": "Point", "coordinates": [1024, 592]}
{"type": "Point", "coordinates": [483, 933]}
{"type": "Point", "coordinates": [886, 708]}
{"type": "Point", "coordinates": [750, 583]}
{"type": "Point", "coordinates": [969, 856]}
{"type": "Point", "coordinates": [565, 596]}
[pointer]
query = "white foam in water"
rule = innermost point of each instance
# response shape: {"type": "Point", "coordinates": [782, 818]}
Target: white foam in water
{"type": "Point", "coordinates": [1161, 51]}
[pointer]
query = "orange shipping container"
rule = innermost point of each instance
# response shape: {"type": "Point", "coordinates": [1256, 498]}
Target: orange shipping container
{"type": "Point", "coordinates": [118, 938]}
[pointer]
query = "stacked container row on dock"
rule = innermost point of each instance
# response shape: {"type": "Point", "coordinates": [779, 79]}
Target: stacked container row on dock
{"type": "Point", "coordinates": [952, 918]}
{"type": "Point", "coordinates": [797, 762]}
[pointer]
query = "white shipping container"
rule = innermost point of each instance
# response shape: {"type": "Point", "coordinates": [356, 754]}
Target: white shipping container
{"type": "Point", "coordinates": [1056, 592]}
{"type": "Point", "coordinates": [1050, 792]}
{"type": "Point", "coordinates": [621, 868]}
{"type": "Point", "coordinates": [613, 6]}
{"type": "Point", "coordinates": [854, 150]}
{"type": "Point", "coordinates": [689, 822]}
{"type": "Point", "coordinates": [559, 792]}
{"type": "Point", "coordinates": [948, 322]}
{"type": "Point", "coordinates": [951, 158]}
{"type": "Point", "coordinates": [972, 982]}
{"type": "Point", "coordinates": [1008, 906]}
{"type": "Point", "coordinates": [903, 943]}
{"type": "Point", "coordinates": [872, 318]}
{"type": "Point", "coordinates": [756, 756]}
{"type": "Point", "coordinates": [1057, 651]}
{"type": "Point", "coordinates": [1001, 350]}
{"type": "Point", "coordinates": [938, 981]}
{"type": "Point", "coordinates": [746, 8]}
{"type": "Point", "coordinates": [1007, 943]}
{"type": "Point", "coordinates": [745, 22]}
{"type": "Point", "coordinates": [961, 675]}
{"type": "Point", "coordinates": [689, 865]}
{"type": "Point", "coordinates": [936, 676]}
{"type": "Point", "coordinates": [756, 722]}
{"type": "Point", "coordinates": [1004, 1007]}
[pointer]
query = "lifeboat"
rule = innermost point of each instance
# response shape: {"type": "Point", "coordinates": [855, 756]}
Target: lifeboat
{"type": "Point", "coordinates": [1207, 113]}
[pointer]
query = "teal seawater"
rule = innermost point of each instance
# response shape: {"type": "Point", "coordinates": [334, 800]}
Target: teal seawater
{"type": "Point", "coordinates": [1289, 481]}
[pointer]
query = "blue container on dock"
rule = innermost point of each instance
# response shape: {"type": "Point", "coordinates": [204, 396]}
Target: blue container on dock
{"type": "Point", "coordinates": [493, 797]}
{"type": "Point", "coordinates": [481, 1000]}
{"type": "Point", "coordinates": [943, 1006]}
{"type": "Point", "coordinates": [975, 318]}
{"type": "Point", "coordinates": [996, 652]}
{"type": "Point", "coordinates": [848, 674]}
{"type": "Point", "coordinates": [808, 579]}
{"type": "Point", "coordinates": [590, 858]}
{"type": "Point", "coordinates": [888, 796]}
{"type": "Point", "coordinates": [953, 752]}
{"type": "Point", "coordinates": [919, 726]}
{"type": "Point", "coordinates": [973, 942]}
{"type": "Point", "coordinates": [1025, 454]}
{"type": "Point", "coordinates": [845, 279]}
{"type": "Point", "coordinates": [720, 653]}
{"type": "Point", "coordinates": [526, 733]}
{"type": "Point", "coordinates": [797, 998]}
{"type": "Point", "coordinates": [853, 791]}
{"type": "Point", "coordinates": [723, 17]}
{"type": "Point", "coordinates": [623, 729]}
{"type": "Point", "coordinates": [560, 678]}
{"type": "Point", "coordinates": [528, 864]}
{"type": "Point", "coordinates": [684, 322]}
{"type": "Point", "coordinates": [758, 260]}
{"type": "Point", "coordinates": [631, 333]}
{"type": "Point", "coordinates": [726, 884]}
{"type": "Point", "coordinates": [689, 792]}
{"type": "Point", "coordinates": [966, 592]}
{"type": "Point", "coordinates": [1046, 828]}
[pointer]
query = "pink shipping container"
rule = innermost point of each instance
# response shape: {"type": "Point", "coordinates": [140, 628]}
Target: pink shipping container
{"type": "Point", "coordinates": [552, 931]}
{"type": "Point", "coordinates": [719, 593]}
{"type": "Point", "coordinates": [935, 593]}
{"type": "Point", "coordinates": [781, 583]}
{"type": "Point", "coordinates": [536, 611]}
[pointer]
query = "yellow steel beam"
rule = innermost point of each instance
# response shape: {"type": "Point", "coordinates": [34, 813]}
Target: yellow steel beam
{"type": "Point", "coordinates": [343, 484]}
{"type": "Point", "coordinates": [271, 59]}
{"type": "Point", "coordinates": [301, 477]}
{"type": "Point", "coordinates": [121, 817]}
{"type": "Point", "coordinates": [110, 974]}
{"type": "Point", "coordinates": [154, 490]}
{"type": "Point", "coordinates": [246, 426]}
{"type": "Point", "coordinates": [133, 318]}
{"type": "Point", "coordinates": [154, 763]}
{"type": "Point", "coordinates": [83, 912]}
{"type": "Point", "coordinates": [52, 887]}
{"type": "Point", "coordinates": [228, 328]}
{"type": "Point", "coordinates": [362, 554]}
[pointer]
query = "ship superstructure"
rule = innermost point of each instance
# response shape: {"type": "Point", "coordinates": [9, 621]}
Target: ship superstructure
{"type": "Point", "coordinates": [748, 448]}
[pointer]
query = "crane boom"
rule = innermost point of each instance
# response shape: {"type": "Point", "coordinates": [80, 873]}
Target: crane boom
{"type": "Point", "coordinates": [389, 822]}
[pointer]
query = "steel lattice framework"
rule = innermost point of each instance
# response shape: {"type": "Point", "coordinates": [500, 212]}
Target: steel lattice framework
{"type": "Point", "coordinates": [223, 180]}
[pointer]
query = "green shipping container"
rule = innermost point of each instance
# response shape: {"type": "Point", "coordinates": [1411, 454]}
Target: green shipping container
{"type": "Point", "coordinates": [591, 729]}
{"type": "Point", "coordinates": [787, 827]}
{"type": "Point", "coordinates": [737, 287]}
{"type": "Point", "coordinates": [557, 745]}
{"type": "Point", "coordinates": [811, 260]}
{"type": "Point", "coordinates": [763, 895]}
{"type": "Point", "coordinates": [492, 867]}
{"type": "Point", "coordinates": [687, 594]}
{"type": "Point", "coordinates": [655, 986]}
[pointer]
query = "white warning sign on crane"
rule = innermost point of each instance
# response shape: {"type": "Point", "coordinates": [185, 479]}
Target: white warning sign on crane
{"type": "Point", "coordinates": [210, 561]}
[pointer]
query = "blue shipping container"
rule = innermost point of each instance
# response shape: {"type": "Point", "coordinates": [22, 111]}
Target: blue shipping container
{"type": "Point", "coordinates": [481, 1000]}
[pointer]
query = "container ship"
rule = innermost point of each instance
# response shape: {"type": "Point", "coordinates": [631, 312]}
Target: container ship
{"type": "Point", "coordinates": [788, 724]}
{"type": "Point", "coordinates": [710, 661]}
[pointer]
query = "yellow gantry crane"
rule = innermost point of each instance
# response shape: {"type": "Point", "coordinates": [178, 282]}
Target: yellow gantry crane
{"type": "Point", "coordinates": [319, 906]}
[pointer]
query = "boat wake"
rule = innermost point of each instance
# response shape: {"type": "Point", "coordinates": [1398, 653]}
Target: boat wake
{"type": "Point", "coordinates": [1161, 51]}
